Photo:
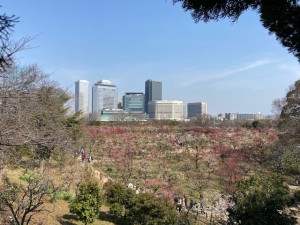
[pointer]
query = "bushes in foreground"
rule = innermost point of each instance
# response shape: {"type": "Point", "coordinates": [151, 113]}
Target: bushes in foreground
{"type": "Point", "coordinates": [140, 209]}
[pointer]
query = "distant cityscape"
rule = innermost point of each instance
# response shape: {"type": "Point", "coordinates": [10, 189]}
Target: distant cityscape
{"type": "Point", "coordinates": [106, 106]}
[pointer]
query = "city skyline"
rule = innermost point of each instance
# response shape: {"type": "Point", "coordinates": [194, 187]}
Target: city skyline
{"type": "Point", "coordinates": [235, 67]}
{"type": "Point", "coordinates": [134, 102]}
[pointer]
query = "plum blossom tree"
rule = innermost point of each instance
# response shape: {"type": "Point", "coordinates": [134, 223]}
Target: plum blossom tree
{"type": "Point", "coordinates": [123, 154]}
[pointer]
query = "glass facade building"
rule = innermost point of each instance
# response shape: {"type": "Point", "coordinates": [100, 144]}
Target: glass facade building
{"type": "Point", "coordinates": [196, 109]}
{"type": "Point", "coordinates": [153, 91]}
{"type": "Point", "coordinates": [133, 102]}
{"type": "Point", "coordinates": [82, 90]}
{"type": "Point", "coordinates": [105, 96]}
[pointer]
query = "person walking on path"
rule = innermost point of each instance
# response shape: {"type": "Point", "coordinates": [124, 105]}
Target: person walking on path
{"type": "Point", "coordinates": [191, 204]}
{"type": "Point", "coordinates": [179, 204]}
{"type": "Point", "coordinates": [185, 201]}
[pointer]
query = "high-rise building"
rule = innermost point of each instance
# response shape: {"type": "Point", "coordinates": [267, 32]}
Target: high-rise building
{"type": "Point", "coordinates": [82, 96]}
{"type": "Point", "coordinates": [105, 96]}
{"type": "Point", "coordinates": [166, 110]}
{"type": "Point", "coordinates": [133, 102]}
{"type": "Point", "coordinates": [196, 109]}
{"type": "Point", "coordinates": [153, 91]}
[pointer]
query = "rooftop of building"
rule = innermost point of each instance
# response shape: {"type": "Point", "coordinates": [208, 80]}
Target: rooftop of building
{"type": "Point", "coordinates": [190, 103]}
{"type": "Point", "coordinates": [149, 80]}
{"type": "Point", "coordinates": [167, 102]}
{"type": "Point", "coordinates": [83, 81]}
{"type": "Point", "coordinates": [105, 83]}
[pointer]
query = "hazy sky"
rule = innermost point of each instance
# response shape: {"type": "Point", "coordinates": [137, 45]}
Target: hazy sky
{"type": "Point", "coordinates": [234, 67]}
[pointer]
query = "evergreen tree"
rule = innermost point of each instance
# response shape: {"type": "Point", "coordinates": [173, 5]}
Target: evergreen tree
{"type": "Point", "coordinates": [261, 200]}
{"type": "Point", "coordinates": [87, 203]}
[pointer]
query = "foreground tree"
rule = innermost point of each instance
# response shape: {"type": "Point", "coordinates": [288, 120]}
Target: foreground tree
{"type": "Point", "coordinates": [292, 101]}
{"type": "Point", "coordinates": [261, 200]}
{"type": "Point", "coordinates": [285, 155]}
{"type": "Point", "coordinates": [280, 17]}
{"type": "Point", "coordinates": [119, 198]}
{"type": "Point", "coordinates": [33, 117]}
{"type": "Point", "coordinates": [25, 199]}
{"type": "Point", "coordinates": [34, 127]}
{"type": "Point", "coordinates": [8, 47]}
{"type": "Point", "coordinates": [87, 202]}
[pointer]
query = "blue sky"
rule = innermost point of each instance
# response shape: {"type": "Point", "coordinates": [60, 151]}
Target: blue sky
{"type": "Point", "coordinates": [234, 67]}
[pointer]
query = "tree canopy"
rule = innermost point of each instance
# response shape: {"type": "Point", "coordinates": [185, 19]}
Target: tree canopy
{"type": "Point", "coordinates": [261, 200]}
{"type": "Point", "coordinates": [87, 203]}
{"type": "Point", "coordinates": [33, 116]}
{"type": "Point", "coordinates": [286, 151]}
{"type": "Point", "coordinates": [280, 17]}
{"type": "Point", "coordinates": [143, 209]}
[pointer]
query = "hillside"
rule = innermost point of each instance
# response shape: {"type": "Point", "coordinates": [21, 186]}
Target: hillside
{"type": "Point", "coordinates": [199, 163]}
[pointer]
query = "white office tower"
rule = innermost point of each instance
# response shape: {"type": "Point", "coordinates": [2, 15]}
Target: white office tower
{"type": "Point", "coordinates": [105, 96]}
{"type": "Point", "coordinates": [82, 90]}
{"type": "Point", "coordinates": [166, 110]}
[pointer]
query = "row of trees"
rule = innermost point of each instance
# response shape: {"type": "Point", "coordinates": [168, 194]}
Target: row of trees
{"type": "Point", "coordinates": [124, 204]}
{"type": "Point", "coordinates": [257, 200]}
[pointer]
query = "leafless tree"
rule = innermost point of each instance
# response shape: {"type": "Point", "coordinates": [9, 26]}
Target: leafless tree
{"type": "Point", "coordinates": [33, 118]}
{"type": "Point", "coordinates": [9, 48]}
{"type": "Point", "coordinates": [277, 106]}
{"type": "Point", "coordinates": [25, 200]}
{"type": "Point", "coordinates": [204, 120]}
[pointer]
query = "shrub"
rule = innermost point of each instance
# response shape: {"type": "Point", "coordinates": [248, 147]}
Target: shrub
{"type": "Point", "coordinates": [67, 196]}
{"type": "Point", "coordinates": [116, 210]}
{"type": "Point", "coordinates": [117, 193]}
{"type": "Point", "coordinates": [257, 124]}
{"type": "Point", "coordinates": [148, 209]}
{"type": "Point", "coordinates": [87, 203]}
{"type": "Point", "coordinates": [28, 175]}
{"type": "Point", "coordinates": [297, 195]}
{"type": "Point", "coordinates": [259, 200]}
